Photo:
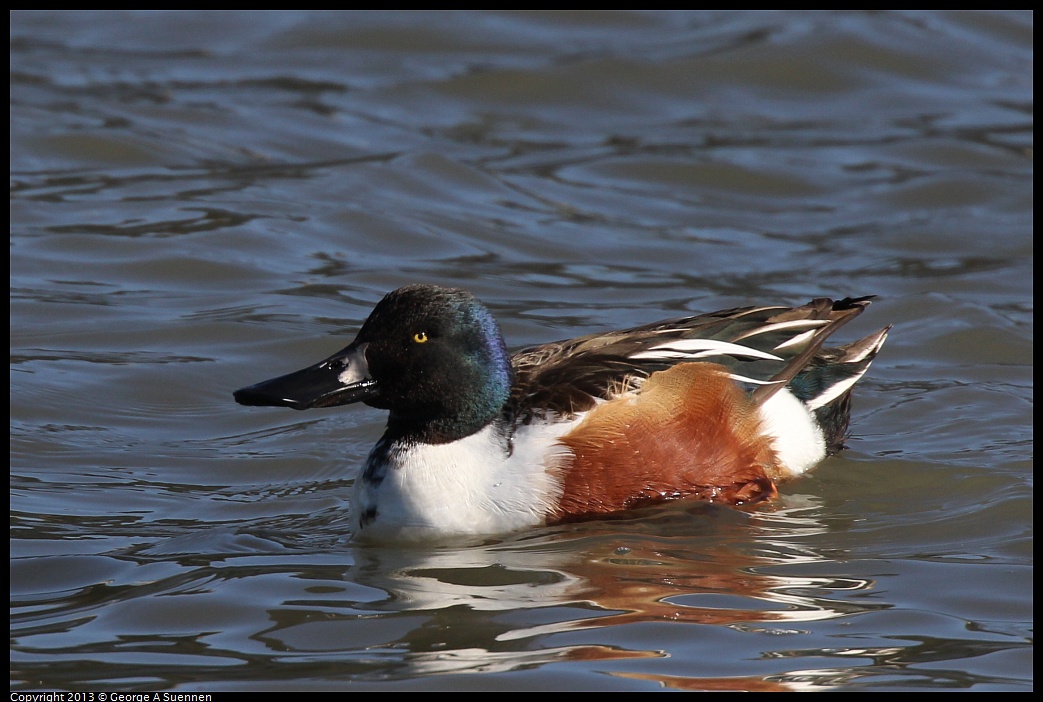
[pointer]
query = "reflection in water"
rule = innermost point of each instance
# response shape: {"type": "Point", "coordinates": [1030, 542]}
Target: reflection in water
{"type": "Point", "coordinates": [640, 588]}
{"type": "Point", "coordinates": [501, 606]}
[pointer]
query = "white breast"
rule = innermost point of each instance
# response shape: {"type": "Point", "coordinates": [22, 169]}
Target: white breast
{"type": "Point", "coordinates": [476, 485]}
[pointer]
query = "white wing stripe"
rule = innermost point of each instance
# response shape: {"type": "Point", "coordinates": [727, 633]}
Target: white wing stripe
{"type": "Point", "coordinates": [700, 348]}
{"type": "Point", "coordinates": [792, 324]}
{"type": "Point", "coordinates": [798, 340]}
{"type": "Point", "coordinates": [834, 391]}
{"type": "Point", "coordinates": [752, 381]}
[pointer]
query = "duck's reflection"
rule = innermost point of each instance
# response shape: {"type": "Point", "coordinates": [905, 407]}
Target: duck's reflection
{"type": "Point", "coordinates": [523, 602]}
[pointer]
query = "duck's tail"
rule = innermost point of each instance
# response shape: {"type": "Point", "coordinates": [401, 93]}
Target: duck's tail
{"type": "Point", "coordinates": [824, 386]}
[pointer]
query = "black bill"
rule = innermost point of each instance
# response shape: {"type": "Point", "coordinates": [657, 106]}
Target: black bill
{"type": "Point", "coordinates": [341, 379]}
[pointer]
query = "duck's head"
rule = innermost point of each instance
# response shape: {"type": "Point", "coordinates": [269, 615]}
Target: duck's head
{"type": "Point", "coordinates": [433, 356]}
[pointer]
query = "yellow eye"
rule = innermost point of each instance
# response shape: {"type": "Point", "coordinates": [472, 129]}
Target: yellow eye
{"type": "Point", "coordinates": [420, 337]}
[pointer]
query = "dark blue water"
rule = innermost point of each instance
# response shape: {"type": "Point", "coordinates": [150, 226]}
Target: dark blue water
{"type": "Point", "coordinates": [203, 200]}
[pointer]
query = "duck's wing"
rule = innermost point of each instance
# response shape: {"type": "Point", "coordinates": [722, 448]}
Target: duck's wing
{"type": "Point", "coordinates": [764, 347]}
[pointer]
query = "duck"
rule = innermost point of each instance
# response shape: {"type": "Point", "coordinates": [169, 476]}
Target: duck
{"type": "Point", "coordinates": [720, 407]}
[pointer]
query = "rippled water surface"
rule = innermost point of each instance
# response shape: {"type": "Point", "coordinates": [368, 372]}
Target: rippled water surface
{"type": "Point", "coordinates": [202, 201]}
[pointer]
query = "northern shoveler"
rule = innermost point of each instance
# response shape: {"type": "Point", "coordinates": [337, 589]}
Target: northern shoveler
{"type": "Point", "coordinates": [718, 407]}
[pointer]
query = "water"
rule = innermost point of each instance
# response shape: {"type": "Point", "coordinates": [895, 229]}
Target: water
{"type": "Point", "coordinates": [201, 201]}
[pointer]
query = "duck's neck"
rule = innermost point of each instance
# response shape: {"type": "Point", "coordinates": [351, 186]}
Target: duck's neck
{"type": "Point", "coordinates": [475, 401]}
